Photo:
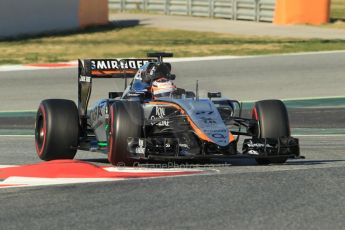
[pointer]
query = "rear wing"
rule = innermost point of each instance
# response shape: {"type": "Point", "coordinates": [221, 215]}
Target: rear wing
{"type": "Point", "coordinates": [111, 68]}
{"type": "Point", "coordinates": [89, 69]}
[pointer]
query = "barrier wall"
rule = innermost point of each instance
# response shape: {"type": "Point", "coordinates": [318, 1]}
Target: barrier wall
{"type": "Point", "coordinates": [314, 12]}
{"type": "Point", "coordinates": [252, 10]}
{"type": "Point", "coordinates": [278, 11]}
{"type": "Point", "coordinates": [30, 17]}
{"type": "Point", "coordinates": [93, 12]}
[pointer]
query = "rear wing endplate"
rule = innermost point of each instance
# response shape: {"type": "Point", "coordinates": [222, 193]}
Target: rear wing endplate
{"type": "Point", "coordinates": [89, 69]}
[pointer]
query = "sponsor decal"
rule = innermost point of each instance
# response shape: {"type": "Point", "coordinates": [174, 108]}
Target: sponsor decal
{"type": "Point", "coordinates": [215, 130]}
{"type": "Point", "coordinates": [208, 120]}
{"type": "Point", "coordinates": [258, 145]}
{"type": "Point", "coordinates": [138, 75]}
{"type": "Point", "coordinates": [98, 112]}
{"type": "Point", "coordinates": [115, 64]}
{"type": "Point", "coordinates": [253, 152]}
{"type": "Point", "coordinates": [159, 113]}
{"type": "Point", "coordinates": [153, 70]}
{"type": "Point", "coordinates": [106, 111]}
{"type": "Point", "coordinates": [85, 79]}
{"type": "Point", "coordinates": [141, 148]}
{"type": "Point", "coordinates": [218, 135]}
{"type": "Point", "coordinates": [184, 145]}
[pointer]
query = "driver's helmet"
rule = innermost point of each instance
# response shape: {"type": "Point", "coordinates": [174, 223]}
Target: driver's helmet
{"type": "Point", "coordinates": [158, 71]}
{"type": "Point", "coordinates": [162, 87]}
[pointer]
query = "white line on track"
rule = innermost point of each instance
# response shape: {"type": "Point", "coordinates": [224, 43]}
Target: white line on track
{"type": "Point", "coordinates": [10, 68]}
{"type": "Point", "coordinates": [146, 170]}
{"type": "Point", "coordinates": [7, 166]}
{"type": "Point", "coordinates": [37, 181]}
{"type": "Point", "coordinates": [214, 58]}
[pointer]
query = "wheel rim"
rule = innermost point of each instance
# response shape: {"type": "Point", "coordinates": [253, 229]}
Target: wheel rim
{"type": "Point", "coordinates": [255, 116]}
{"type": "Point", "coordinates": [40, 131]}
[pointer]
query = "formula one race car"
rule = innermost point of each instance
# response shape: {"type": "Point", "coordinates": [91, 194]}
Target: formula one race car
{"type": "Point", "coordinates": [153, 119]}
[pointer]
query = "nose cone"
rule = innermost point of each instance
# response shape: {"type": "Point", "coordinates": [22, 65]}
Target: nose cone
{"type": "Point", "coordinates": [207, 118]}
{"type": "Point", "coordinates": [219, 134]}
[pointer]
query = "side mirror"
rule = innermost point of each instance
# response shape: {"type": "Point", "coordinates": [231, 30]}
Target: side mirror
{"type": "Point", "coordinates": [113, 95]}
{"type": "Point", "coordinates": [172, 77]}
{"type": "Point", "coordinates": [213, 95]}
{"type": "Point", "coordinates": [168, 65]}
{"type": "Point", "coordinates": [190, 94]}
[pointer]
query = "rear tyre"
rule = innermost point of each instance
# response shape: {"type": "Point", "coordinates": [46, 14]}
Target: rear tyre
{"type": "Point", "coordinates": [57, 129]}
{"type": "Point", "coordinates": [126, 120]}
{"type": "Point", "coordinates": [273, 122]}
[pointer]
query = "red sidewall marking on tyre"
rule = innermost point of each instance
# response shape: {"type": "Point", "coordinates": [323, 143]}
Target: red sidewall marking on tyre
{"type": "Point", "coordinates": [111, 139]}
{"type": "Point", "coordinates": [73, 171]}
{"type": "Point", "coordinates": [255, 114]}
{"type": "Point", "coordinates": [40, 150]}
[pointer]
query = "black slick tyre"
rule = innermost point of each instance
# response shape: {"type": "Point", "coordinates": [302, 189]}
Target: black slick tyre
{"type": "Point", "coordinates": [273, 122]}
{"type": "Point", "coordinates": [57, 129]}
{"type": "Point", "coordinates": [126, 120]}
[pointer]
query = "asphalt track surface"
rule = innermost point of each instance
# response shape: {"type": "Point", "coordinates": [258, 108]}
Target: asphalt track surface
{"type": "Point", "coordinates": [237, 194]}
{"type": "Point", "coordinates": [234, 194]}
{"type": "Point", "coordinates": [246, 78]}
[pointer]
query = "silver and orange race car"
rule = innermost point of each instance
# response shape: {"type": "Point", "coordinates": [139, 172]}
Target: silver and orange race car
{"type": "Point", "coordinates": [155, 120]}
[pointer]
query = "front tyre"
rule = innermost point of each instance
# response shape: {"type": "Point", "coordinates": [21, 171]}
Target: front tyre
{"type": "Point", "coordinates": [56, 129]}
{"type": "Point", "coordinates": [126, 120]}
{"type": "Point", "coordinates": [273, 120]}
